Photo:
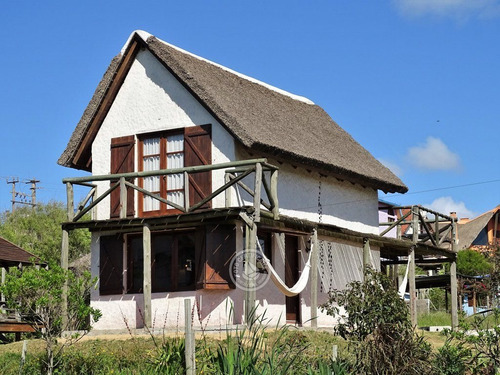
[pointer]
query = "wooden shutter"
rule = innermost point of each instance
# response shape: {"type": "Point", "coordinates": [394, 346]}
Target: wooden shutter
{"type": "Point", "coordinates": [220, 249]}
{"type": "Point", "coordinates": [111, 265]}
{"type": "Point", "coordinates": [198, 151]}
{"type": "Point", "coordinates": [122, 161]}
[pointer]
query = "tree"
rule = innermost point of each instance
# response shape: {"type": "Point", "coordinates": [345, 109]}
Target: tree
{"type": "Point", "coordinates": [472, 263]}
{"type": "Point", "coordinates": [38, 230]}
{"type": "Point", "coordinates": [36, 294]}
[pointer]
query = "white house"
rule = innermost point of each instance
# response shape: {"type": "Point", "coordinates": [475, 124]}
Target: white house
{"type": "Point", "coordinates": [166, 129]}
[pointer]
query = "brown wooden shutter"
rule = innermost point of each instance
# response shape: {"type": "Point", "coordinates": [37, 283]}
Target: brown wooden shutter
{"type": "Point", "coordinates": [111, 265]}
{"type": "Point", "coordinates": [198, 151]}
{"type": "Point", "coordinates": [122, 161]}
{"type": "Point", "coordinates": [219, 251]}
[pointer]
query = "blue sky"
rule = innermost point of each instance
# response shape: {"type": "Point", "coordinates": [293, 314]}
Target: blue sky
{"type": "Point", "coordinates": [416, 82]}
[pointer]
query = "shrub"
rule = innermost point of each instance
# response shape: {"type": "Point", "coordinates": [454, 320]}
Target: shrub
{"type": "Point", "coordinates": [377, 326]}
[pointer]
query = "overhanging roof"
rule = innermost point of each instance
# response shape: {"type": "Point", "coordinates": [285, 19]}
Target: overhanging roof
{"type": "Point", "coordinates": [262, 118]}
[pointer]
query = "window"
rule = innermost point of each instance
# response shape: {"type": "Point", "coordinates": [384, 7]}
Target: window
{"type": "Point", "coordinates": [172, 262]}
{"type": "Point", "coordinates": [169, 150]}
{"type": "Point", "coordinates": [163, 152]}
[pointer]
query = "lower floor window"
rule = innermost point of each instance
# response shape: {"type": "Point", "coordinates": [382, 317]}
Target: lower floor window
{"type": "Point", "coordinates": [172, 262]}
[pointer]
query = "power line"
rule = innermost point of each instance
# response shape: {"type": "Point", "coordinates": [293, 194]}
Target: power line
{"type": "Point", "coordinates": [403, 194]}
{"type": "Point", "coordinates": [447, 187]}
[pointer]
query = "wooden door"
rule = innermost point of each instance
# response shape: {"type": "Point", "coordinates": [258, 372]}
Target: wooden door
{"type": "Point", "coordinates": [291, 277]}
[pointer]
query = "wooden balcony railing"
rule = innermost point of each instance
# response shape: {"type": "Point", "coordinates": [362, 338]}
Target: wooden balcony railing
{"type": "Point", "coordinates": [422, 225]}
{"type": "Point", "coordinates": [235, 172]}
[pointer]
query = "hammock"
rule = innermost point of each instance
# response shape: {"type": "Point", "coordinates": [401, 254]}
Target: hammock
{"type": "Point", "coordinates": [402, 287]}
{"type": "Point", "coordinates": [287, 291]}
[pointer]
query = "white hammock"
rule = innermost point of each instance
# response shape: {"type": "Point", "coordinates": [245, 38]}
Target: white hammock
{"type": "Point", "coordinates": [402, 287]}
{"type": "Point", "coordinates": [287, 291]}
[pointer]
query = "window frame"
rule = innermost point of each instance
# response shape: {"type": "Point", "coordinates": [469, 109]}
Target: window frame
{"type": "Point", "coordinates": [163, 136]}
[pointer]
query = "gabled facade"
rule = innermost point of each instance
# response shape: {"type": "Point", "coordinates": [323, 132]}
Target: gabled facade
{"type": "Point", "coordinates": [481, 233]}
{"type": "Point", "coordinates": [192, 164]}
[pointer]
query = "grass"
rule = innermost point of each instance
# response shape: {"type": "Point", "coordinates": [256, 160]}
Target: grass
{"type": "Point", "coordinates": [437, 318]}
{"type": "Point", "coordinates": [140, 355]}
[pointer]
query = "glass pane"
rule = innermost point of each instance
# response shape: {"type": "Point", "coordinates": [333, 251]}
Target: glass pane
{"type": "Point", "coordinates": [151, 163]}
{"type": "Point", "coordinates": [175, 143]}
{"type": "Point", "coordinates": [175, 181]}
{"type": "Point", "coordinates": [151, 146]}
{"type": "Point", "coordinates": [185, 269]}
{"type": "Point", "coordinates": [162, 262]}
{"type": "Point", "coordinates": [175, 160]}
{"type": "Point", "coordinates": [151, 204]}
{"type": "Point", "coordinates": [176, 197]}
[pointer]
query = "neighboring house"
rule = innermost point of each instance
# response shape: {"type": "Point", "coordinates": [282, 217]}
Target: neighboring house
{"type": "Point", "coordinates": [12, 256]}
{"type": "Point", "coordinates": [176, 147]}
{"type": "Point", "coordinates": [482, 233]}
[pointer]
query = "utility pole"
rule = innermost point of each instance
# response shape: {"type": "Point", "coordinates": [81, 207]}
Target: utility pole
{"type": "Point", "coordinates": [33, 189]}
{"type": "Point", "coordinates": [13, 181]}
{"type": "Point", "coordinates": [23, 198]}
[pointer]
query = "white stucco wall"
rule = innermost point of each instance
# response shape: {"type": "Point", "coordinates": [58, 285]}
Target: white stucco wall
{"type": "Point", "coordinates": [150, 100]}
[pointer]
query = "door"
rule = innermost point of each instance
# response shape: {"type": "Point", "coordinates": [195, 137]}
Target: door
{"type": "Point", "coordinates": [291, 277]}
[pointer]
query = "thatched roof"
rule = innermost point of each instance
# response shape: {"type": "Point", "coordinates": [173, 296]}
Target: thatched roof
{"type": "Point", "coordinates": [12, 255]}
{"type": "Point", "coordinates": [468, 232]}
{"type": "Point", "coordinates": [263, 119]}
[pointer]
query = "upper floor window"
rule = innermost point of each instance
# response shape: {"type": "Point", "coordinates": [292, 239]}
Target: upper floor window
{"type": "Point", "coordinates": [165, 151]}
{"type": "Point", "coordinates": [185, 147]}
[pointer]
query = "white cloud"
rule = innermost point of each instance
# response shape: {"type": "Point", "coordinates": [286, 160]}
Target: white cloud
{"type": "Point", "coordinates": [396, 169]}
{"type": "Point", "coordinates": [460, 9]}
{"type": "Point", "coordinates": [445, 205]}
{"type": "Point", "coordinates": [433, 155]}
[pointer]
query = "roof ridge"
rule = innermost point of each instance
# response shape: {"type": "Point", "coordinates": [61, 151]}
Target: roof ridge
{"type": "Point", "coordinates": [144, 35]}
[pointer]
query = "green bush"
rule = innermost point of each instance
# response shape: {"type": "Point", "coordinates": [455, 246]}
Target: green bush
{"type": "Point", "coordinates": [378, 329]}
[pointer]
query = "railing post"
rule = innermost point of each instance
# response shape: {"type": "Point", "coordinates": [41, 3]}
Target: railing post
{"type": "Point", "coordinates": [186, 191]}
{"type": "Point", "coordinates": [274, 194]}
{"type": "Point", "coordinates": [257, 192]}
{"type": "Point", "coordinates": [123, 198]}
{"type": "Point", "coordinates": [227, 193]}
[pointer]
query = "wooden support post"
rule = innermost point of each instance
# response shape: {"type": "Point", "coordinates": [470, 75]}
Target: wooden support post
{"type": "Point", "coordinates": [65, 253]}
{"type": "Point", "coordinates": [64, 266]}
{"type": "Point", "coordinates": [274, 194]}
{"type": "Point", "coordinates": [453, 276]}
{"type": "Point", "coordinates": [411, 272]}
{"type": "Point", "coordinates": [258, 188]}
{"type": "Point", "coordinates": [314, 279]}
{"type": "Point", "coordinates": [146, 244]}
{"type": "Point", "coordinates": [250, 271]}
{"type": "Point", "coordinates": [412, 287]}
{"type": "Point", "coordinates": [4, 275]}
{"type": "Point", "coordinates": [227, 193]}
{"type": "Point", "coordinates": [189, 347]}
{"type": "Point", "coordinates": [123, 199]}
{"type": "Point", "coordinates": [366, 255]}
